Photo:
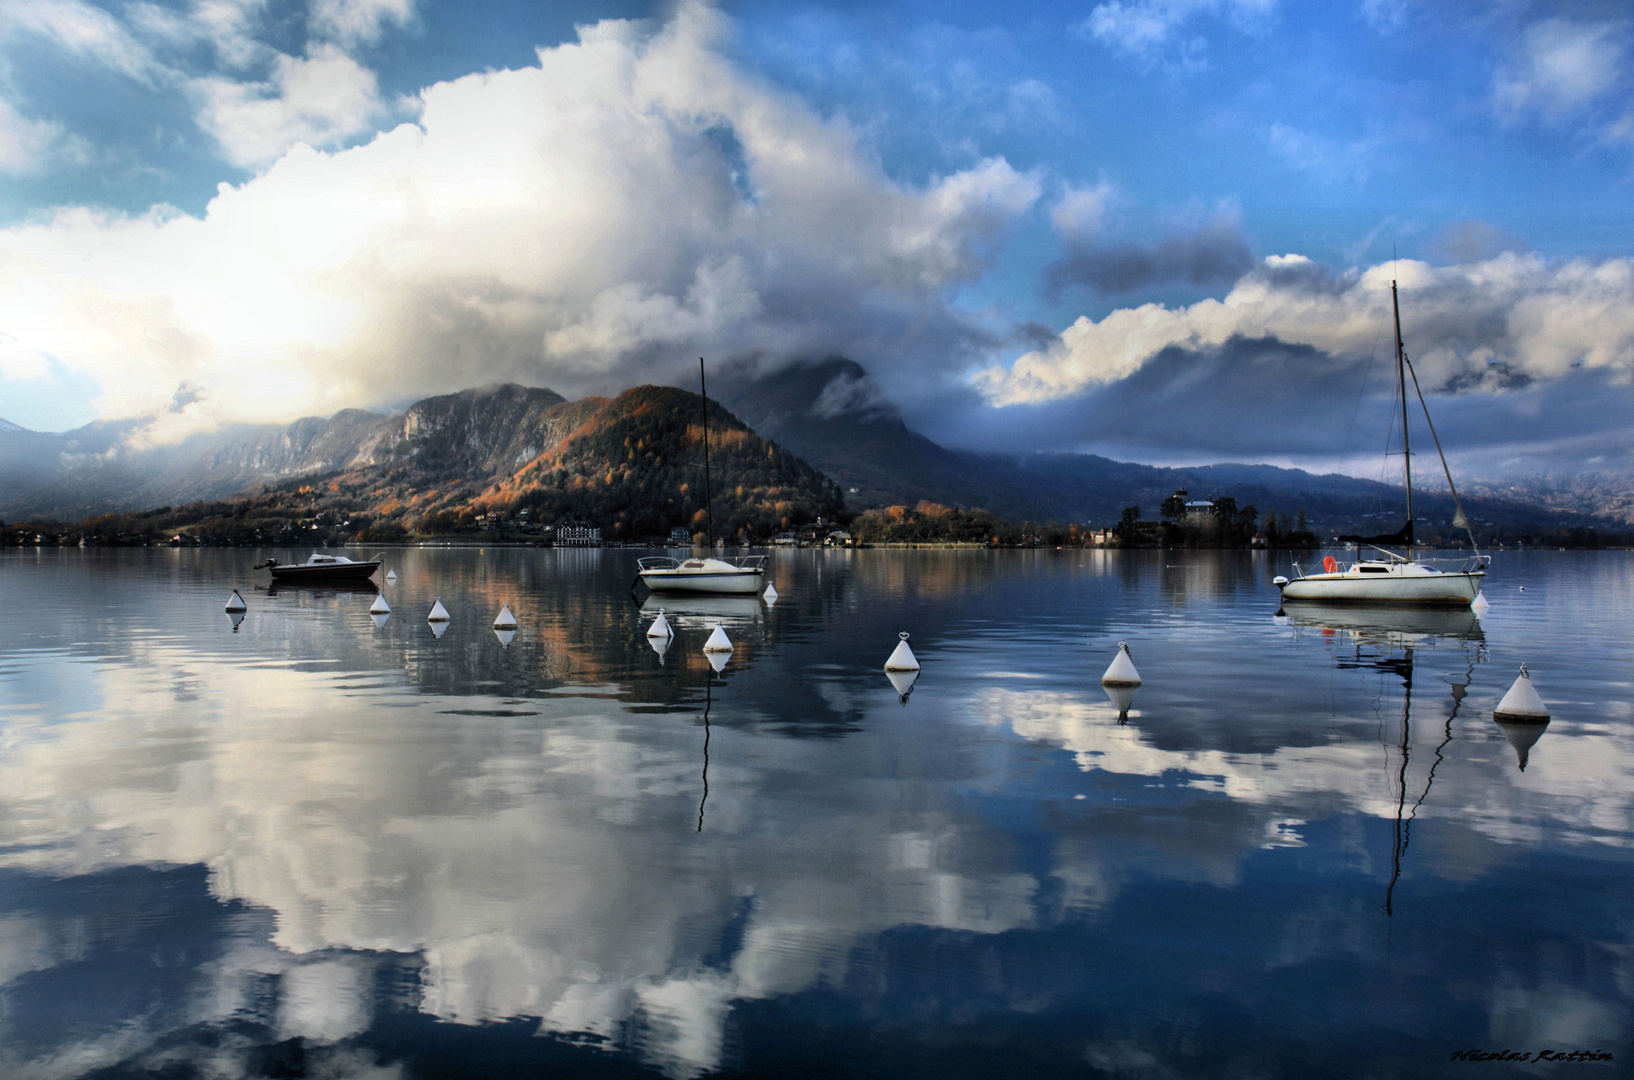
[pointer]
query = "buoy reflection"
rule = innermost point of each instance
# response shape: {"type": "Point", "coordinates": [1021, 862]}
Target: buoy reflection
{"type": "Point", "coordinates": [1121, 697]}
{"type": "Point", "coordinates": [902, 681]}
{"type": "Point", "coordinates": [1522, 736]}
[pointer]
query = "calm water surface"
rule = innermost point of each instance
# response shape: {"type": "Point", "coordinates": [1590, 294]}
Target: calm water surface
{"type": "Point", "coordinates": [311, 846]}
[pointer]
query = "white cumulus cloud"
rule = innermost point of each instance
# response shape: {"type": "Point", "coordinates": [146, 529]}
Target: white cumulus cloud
{"type": "Point", "coordinates": [320, 99]}
{"type": "Point", "coordinates": [1471, 324]}
{"type": "Point", "coordinates": [352, 22]}
{"type": "Point", "coordinates": [1561, 66]}
{"type": "Point", "coordinates": [28, 145]}
{"type": "Point", "coordinates": [1144, 28]}
{"type": "Point", "coordinates": [1081, 211]}
{"type": "Point", "coordinates": [635, 200]}
{"type": "Point", "coordinates": [82, 30]}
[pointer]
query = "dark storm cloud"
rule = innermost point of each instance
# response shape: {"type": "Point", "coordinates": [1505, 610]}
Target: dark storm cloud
{"type": "Point", "coordinates": [1263, 398]}
{"type": "Point", "coordinates": [1216, 254]}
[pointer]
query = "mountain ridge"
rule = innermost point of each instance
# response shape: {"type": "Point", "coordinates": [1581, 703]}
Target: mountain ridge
{"type": "Point", "coordinates": [825, 412]}
{"type": "Point", "coordinates": [457, 462]}
{"type": "Point", "coordinates": [872, 450]}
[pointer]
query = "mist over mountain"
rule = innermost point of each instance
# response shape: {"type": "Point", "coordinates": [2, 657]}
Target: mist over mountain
{"type": "Point", "coordinates": [830, 413]}
{"type": "Point", "coordinates": [95, 469]}
{"type": "Point", "coordinates": [485, 446]}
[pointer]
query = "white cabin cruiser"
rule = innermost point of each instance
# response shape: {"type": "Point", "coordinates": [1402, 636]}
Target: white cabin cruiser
{"type": "Point", "coordinates": [1389, 578]}
{"type": "Point", "coordinates": [707, 575]}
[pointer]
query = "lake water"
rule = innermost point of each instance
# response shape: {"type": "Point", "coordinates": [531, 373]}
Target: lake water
{"type": "Point", "coordinates": [311, 846]}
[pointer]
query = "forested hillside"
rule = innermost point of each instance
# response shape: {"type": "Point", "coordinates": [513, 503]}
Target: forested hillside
{"type": "Point", "coordinates": [633, 465]}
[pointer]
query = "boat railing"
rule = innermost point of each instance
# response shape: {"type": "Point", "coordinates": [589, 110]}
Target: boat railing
{"type": "Point", "coordinates": [1468, 564]}
{"type": "Point", "coordinates": [658, 562]}
{"type": "Point", "coordinates": [752, 562]}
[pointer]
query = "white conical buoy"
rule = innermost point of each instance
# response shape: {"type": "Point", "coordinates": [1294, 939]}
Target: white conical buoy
{"type": "Point", "coordinates": [504, 636]}
{"type": "Point", "coordinates": [438, 629]}
{"type": "Point", "coordinates": [235, 602]}
{"type": "Point", "coordinates": [660, 627]}
{"type": "Point", "coordinates": [379, 607]}
{"type": "Point", "coordinates": [379, 619]}
{"type": "Point", "coordinates": [1479, 604]}
{"type": "Point", "coordinates": [1121, 672]}
{"type": "Point", "coordinates": [505, 620]}
{"type": "Point", "coordinates": [771, 593]}
{"type": "Point", "coordinates": [902, 682]}
{"type": "Point", "coordinates": [902, 659]}
{"type": "Point", "coordinates": [438, 612]}
{"type": "Point", "coordinates": [718, 641]}
{"type": "Point", "coordinates": [391, 575]}
{"type": "Point", "coordinates": [1522, 704]}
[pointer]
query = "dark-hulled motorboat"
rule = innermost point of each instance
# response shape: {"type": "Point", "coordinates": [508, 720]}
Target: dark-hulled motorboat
{"type": "Point", "coordinates": [321, 569]}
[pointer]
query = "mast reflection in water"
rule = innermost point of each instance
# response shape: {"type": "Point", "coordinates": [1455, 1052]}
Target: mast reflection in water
{"type": "Point", "coordinates": [1384, 639]}
{"type": "Point", "coordinates": [321, 847]}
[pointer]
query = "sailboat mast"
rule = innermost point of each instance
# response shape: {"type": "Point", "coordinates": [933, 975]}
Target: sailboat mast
{"type": "Point", "coordinates": [1401, 382]}
{"type": "Point", "coordinates": [709, 509]}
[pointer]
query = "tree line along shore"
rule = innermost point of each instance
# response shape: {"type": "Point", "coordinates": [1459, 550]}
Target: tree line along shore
{"type": "Point", "coordinates": [308, 514]}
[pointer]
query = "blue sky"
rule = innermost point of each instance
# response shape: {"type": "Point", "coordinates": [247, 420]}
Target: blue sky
{"type": "Point", "coordinates": [1027, 209]}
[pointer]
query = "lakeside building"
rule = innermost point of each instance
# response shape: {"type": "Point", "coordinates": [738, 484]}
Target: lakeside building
{"type": "Point", "coordinates": [1199, 514]}
{"type": "Point", "coordinates": [578, 534]}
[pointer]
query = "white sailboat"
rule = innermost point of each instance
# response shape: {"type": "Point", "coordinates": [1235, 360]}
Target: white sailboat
{"type": "Point", "coordinates": [705, 575]}
{"type": "Point", "coordinates": [1388, 577]}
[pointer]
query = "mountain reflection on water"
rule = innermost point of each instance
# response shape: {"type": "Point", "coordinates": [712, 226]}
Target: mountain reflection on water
{"type": "Point", "coordinates": [317, 846]}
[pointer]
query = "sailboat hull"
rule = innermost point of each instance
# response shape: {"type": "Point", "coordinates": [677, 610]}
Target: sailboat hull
{"type": "Point", "coordinates": [731, 582]}
{"type": "Point", "coordinates": [1430, 589]}
{"type": "Point", "coordinates": [663, 575]}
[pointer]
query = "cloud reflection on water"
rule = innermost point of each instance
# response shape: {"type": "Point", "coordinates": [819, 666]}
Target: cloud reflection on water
{"type": "Point", "coordinates": [538, 855]}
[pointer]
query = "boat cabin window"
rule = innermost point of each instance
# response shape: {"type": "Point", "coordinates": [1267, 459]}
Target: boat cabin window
{"type": "Point", "coordinates": [692, 564]}
{"type": "Point", "coordinates": [1373, 569]}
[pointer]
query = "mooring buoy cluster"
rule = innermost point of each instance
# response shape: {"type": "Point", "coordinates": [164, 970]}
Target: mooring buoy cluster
{"type": "Point", "coordinates": [717, 649]}
{"type": "Point", "coordinates": [1521, 715]}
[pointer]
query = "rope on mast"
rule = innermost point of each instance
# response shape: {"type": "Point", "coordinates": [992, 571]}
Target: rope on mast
{"type": "Point", "coordinates": [1406, 445]}
{"type": "Point", "coordinates": [1459, 521]}
{"type": "Point", "coordinates": [709, 509]}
